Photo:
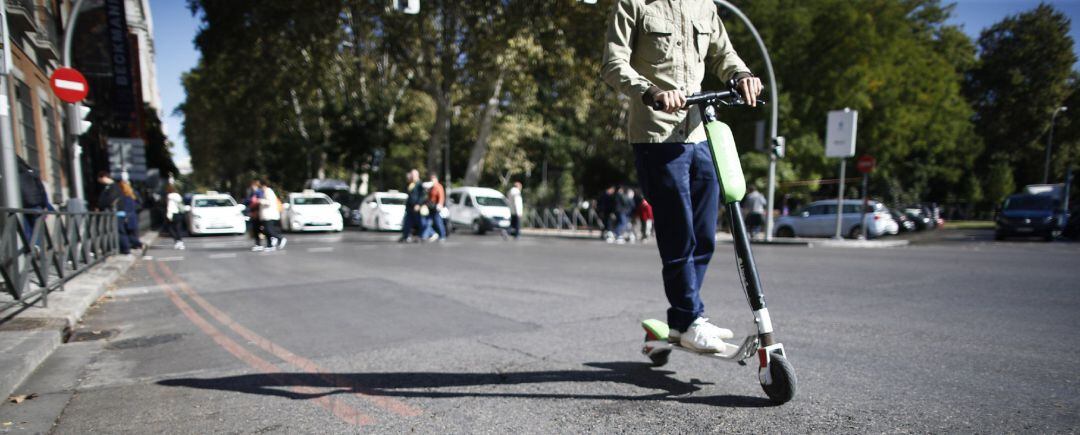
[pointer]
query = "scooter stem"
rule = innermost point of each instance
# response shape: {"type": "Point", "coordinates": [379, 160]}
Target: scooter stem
{"type": "Point", "coordinates": [744, 257]}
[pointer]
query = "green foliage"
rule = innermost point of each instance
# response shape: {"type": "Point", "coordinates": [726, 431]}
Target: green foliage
{"type": "Point", "coordinates": [292, 90]}
{"type": "Point", "coordinates": [1022, 76]}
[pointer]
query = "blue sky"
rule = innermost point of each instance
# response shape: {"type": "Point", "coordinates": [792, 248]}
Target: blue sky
{"type": "Point", "coordinates": [175, 28]}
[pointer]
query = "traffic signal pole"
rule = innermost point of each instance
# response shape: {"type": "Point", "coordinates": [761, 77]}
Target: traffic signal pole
{"type": "Point", "coordinates": [774, 107]}
{"type": "Point", "coordinates": [12, 198]}
{"type": "Point", "coordinates": [74, 120]}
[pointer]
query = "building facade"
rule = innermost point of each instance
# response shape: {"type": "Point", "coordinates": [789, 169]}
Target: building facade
{"type": "Point", "coordinates": [38, 116]}
{"type": "Point", "coordinates": [40, 127]}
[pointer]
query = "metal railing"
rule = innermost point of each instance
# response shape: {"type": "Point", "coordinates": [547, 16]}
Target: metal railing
{"type": "Point", "coordinates": [559, 219]}
{"type": "Point", "coordinates": [41, 250]}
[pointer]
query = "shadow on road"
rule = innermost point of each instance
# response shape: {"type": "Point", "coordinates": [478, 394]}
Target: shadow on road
{"type": "Point", "coordinates": [421, 384]}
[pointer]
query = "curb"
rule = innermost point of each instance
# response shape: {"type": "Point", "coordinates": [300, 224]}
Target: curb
{"type": "Point", "coordinates": [859, 243]}
{"type": "Point", "coordinates": [34, 334]}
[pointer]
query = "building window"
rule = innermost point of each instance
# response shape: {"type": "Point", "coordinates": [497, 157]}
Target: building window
{"type": "Point", "coordinates": [52, 142]}
{"type": "Point", "coordinates": [26, 119]}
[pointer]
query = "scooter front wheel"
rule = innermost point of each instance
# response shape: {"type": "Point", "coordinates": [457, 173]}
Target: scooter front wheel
{"type": "Point", "coordinates": [784, 383]}
{"type": "Point", "coordinates": [659, 358]}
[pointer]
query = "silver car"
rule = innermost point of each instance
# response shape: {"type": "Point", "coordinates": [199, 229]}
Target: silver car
{"type": "Point", "coordinates": [818, 219]}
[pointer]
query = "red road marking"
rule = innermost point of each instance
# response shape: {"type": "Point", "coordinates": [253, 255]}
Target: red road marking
{"type": "Point", "coordinates": [388, 403]}
{"type": "Point", "coordinates": [340, 409]}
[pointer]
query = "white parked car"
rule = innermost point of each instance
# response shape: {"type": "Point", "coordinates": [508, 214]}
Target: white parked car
{"type": "Point", "coordinates": [215, 213]}
{"type": "Point", "coordinates": [311, 211]}
{"type": "Point", "coordinates": [819, 220]}
{"type": "Point", "coordinates": [478, 208]}
{"type": "Point", "coordinates": [383, 211]}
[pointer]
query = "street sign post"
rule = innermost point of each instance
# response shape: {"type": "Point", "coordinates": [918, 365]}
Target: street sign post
{"type": "Point", "coordinates": [840, 142]}
{"type": "Point", "coordinates": [865, 164]}
{"type": "Point", "coordinates": [69, 85]}
{"type": "Point", "coordinates": [127, 159]}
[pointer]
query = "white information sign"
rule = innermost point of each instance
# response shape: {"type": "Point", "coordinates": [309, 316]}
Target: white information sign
{"type": "Point", "coordinates": [840, 135]}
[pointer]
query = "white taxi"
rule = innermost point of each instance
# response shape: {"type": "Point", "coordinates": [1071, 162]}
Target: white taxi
{"type": "Point", "coordinates": [383, 211]}
{"type": "Point", "coordinates": [311, 211]}
{"type": "Point", "coordinates": [215, 213]}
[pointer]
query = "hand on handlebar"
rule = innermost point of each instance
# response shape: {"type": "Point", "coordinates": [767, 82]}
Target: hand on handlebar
{"type": "Point", "coordinates": [750, 88]}
{"type": "Point", "coordinates": [669, 101]}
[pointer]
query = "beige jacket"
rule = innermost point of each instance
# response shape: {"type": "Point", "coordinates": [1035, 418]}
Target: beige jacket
{"type": "Point", "coordinates": [660, 45]}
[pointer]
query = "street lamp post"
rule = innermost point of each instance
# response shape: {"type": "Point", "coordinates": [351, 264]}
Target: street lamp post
{"type": "Point", "coordinates": [1050, 143]}
{"type": "Point", "coordinates": [74, 121]}
{"type": "Point", "coordinates": [9, 169]}
{"type": "Point", "coordinates": [774, 107]}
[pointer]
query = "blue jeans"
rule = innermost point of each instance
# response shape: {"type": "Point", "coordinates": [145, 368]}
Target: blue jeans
{"type": "Point", "coordinates": [439, 224]}
{"type": "Point", "coordinates": [680, 183]}
{"type": "Point", "coordinates": [408, 223]}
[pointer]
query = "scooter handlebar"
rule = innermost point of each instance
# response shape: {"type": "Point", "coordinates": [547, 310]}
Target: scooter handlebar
{"type": "Point", "coordinates": [730, 97]}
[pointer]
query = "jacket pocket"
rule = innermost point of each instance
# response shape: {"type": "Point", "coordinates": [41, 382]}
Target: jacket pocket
{"type": "Point", "coordinates": [654, 46]}
{"type": "Point", "coordinates": [703, 33]}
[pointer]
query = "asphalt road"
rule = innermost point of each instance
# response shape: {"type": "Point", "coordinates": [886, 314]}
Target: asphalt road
{"type": "Point", "coordinates": [352, 332]}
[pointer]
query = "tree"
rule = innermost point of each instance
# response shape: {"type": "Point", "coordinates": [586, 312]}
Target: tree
{"type": "Point", "coordinates": [1021, 77]}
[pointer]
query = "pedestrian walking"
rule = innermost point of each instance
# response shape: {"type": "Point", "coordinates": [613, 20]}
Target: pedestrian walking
{"type": "Point", "coordinates": [659, 52]}
{"type": "Point", "coordinates": [517, 209]}
{"type": "Point", "coordinates": [128, 213]}
{"type": "Point", "coordinates": [623, 206]}
{"type": "Point", "coordinates": [436, 202]}
{"type": "Point", "coordinates": [254, 194]}
{"type": "Point", "coordinates": [174, 216]}
{"type": "Point", "coordinates": [270, 216]}
{"type": "Point", "coordinates": [416, 198]}
{"type": "Point", "coordinates": [605, 207]}
{"type": "Point", "coordinates": [645, 213]}
{"type": "Point", "coordinates": [34, 197]}
{"type": "Point", "coordinates": [109, 194]}
{"type": "Point", "coordinates": [755, 204]}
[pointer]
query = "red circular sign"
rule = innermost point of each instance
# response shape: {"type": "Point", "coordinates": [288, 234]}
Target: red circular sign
{"type": "Point", "coordinates": [69, 85]}
{"type": "Point", "coordinates": [865, 164]}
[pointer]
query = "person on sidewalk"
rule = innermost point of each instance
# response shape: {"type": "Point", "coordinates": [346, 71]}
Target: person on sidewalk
{"type": "Point", "coordinates": [517, 209]}
{"type": "Point", "coordinates": [128, 212]}
{"type": "Point", "coordinates": [755, 204]}
{"type": "Point", "coordinates": [109, 194]}
{"type": "Point", "coordinates": [624, 205]}
{"type": "Point", "coordinates": [659, 52]}
{"type": "Point", "coordinates": [34, 197]}
{"type": "Point", "coordinates": [436, 202]}
{"type": "Point", "coordinates": [174, 216]}
{"type": "Point", "coordinates": [270, 216]}
{"type": "Point", "coordinates": [605, 208]}
{"type": "Point", "coordinates": [645, 213]}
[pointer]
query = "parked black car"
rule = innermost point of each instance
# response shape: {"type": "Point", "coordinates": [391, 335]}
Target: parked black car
{"type": "Point", "coordinates": [904, 223]}
{"type": "Point", "coordinates": [919, 217]}
{"type": "Point", "coordinates": [1030, 215]}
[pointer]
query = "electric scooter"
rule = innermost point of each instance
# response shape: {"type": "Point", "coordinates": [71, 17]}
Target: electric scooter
{"type": "Point", "coordinates": [775, 373]}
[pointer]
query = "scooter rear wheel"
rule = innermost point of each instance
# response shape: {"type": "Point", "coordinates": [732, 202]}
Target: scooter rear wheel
{"type": "Point", "coordinates": [784, 383]}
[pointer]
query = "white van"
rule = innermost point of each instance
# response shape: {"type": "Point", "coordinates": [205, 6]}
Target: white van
{"type": "Point", "coordinates": [478, 208]}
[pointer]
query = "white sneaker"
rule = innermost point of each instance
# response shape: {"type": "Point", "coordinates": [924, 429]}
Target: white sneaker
{"type": "Point", "coordinates": [703, 336]}
{"type": "Point", "coordinates": [281, 243]}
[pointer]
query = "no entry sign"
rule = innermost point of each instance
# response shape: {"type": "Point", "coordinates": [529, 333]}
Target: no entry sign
{"type": "Point", "coordinates": [865, 164]}
{"type": "Point", "coordinates": [69, 85]}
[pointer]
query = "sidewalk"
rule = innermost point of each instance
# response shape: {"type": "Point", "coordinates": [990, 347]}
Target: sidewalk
{"type": "Point", "coordinates": [35, 333]}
